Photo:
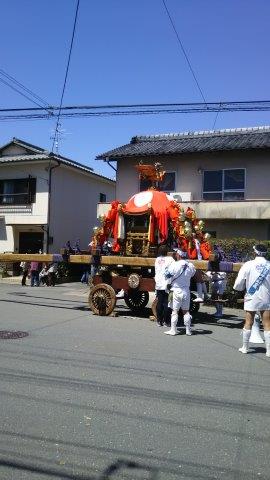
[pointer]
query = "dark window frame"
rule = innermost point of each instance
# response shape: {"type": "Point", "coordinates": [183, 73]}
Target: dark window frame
{"type": "Point", "coordinates": [146, 184]}
{"type": "Point", "coordinates": [102, 197]}
{"type": "Point", "coordinates": [23, 191]}
{"type": "Point", "coordinates": [224, 191]}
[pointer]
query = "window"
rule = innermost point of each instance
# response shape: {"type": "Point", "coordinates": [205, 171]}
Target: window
{"type": "Point", "coordinates": [167, 184]}
{"type": "Point", "coordinates": [17, 192]}
{"type": "Point", "coordinates": [102, 197]}
{"type": "Point", "coordinates": [227, 184]}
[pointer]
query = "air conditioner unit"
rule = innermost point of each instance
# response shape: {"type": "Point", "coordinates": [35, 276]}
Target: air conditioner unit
{"type": "Point", "coordinates": [181, 196]}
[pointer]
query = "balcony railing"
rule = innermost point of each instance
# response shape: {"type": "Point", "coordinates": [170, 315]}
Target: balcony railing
{"type": "Point", "coordinates": [16, 209]}
{"type": "Point", "coordinates": [15, 199]}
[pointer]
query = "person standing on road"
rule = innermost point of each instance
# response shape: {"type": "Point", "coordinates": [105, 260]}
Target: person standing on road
{"type": "Point", "coordinates": [52, 274]}
{"type": "Point", "coordinates": [34, 274]}
{"type": "Point", "coordinates": [218, 282]}
{"type": "Point", "coordinates": [254, 276]}
{"type": "Point", "coordinates": [25, 271]}
{"type": "Point", "coordinates": [161, 263]}
{"type": "Point", "coordinates": [180, 273]}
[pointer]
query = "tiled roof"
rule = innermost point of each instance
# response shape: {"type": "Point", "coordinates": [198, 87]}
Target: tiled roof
{"type": "Point", "coordinates": [23, 158]}
{"type": "Point", "coordinates": [188, 142]}
{"type": "Point", "coordinates": [40, 154]}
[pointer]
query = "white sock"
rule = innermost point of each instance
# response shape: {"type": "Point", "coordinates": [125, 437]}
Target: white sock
{"type": "Point", "coordinates": [246, 337]}
{"type": "Point", "coordinates": [199, 289]}
{"type": "Point", "coordinates": [187, 322]}
{"type": "Point", "coordinates": [174, 320]}
{"type": "Point", "coordinates": [267, 342]}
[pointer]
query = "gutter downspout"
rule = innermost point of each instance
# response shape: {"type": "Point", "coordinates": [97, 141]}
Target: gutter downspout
{"type": "Point", "coordinates": [108, 162]}
{"type": "Point", "coordinates": [49, 200]}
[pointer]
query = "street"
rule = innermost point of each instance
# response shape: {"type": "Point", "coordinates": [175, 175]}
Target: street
{"type": "Point", "coordinates": [88, 397]}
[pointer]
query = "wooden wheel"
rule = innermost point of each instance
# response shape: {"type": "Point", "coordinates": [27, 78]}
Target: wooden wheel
{"type": "Point", "coordinates": [137, 299]}
{"type": "Point", "coordinates": [102, 299]}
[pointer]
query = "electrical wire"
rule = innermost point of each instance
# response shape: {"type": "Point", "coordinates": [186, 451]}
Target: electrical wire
{"type": "Point", "coordinates": [245, 105]}
{"type": "Point", "coordinates": [85, 111]}
{"type": "Point", "coordinates": [30, 92]}
{"type": "Point", "coordinates": [183, 50]}
{"type": "Point", "coordinates": [66, 75]}
{"type": "Point", "coordinates": [216, 117]}
{"type": "Point", "coordinates": [22, 94]}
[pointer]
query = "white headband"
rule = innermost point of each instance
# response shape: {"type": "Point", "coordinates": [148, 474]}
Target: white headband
{"type": "Point", "coordinates": [260, 254]}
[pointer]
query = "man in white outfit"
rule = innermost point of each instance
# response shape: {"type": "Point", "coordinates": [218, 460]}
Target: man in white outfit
{"type": "Point", "coordinates": [161, 263]}
{"type": "Point", "coordinates": [254, 276]}
{"type": "Point", "coordinates": [179, 274]}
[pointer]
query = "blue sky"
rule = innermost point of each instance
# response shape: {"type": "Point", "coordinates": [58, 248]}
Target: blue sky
{"type": "Point", "coordinates": [125, 51]}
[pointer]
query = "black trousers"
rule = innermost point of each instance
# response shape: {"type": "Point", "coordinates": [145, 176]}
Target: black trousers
{"type": "Point", "coordinates": [162, 307]}
{"type": "Point", "coordinates": [24, 277]}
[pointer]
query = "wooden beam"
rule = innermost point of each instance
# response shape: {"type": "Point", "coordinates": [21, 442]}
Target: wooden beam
{"type": "Point", "coordinates": [25, 257]}
{"type": "Point", "coordinates": [110, 260]}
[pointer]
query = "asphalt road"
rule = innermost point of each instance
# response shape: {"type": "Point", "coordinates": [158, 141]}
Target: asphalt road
{"type": "Point", "coordinates": [88, 397]}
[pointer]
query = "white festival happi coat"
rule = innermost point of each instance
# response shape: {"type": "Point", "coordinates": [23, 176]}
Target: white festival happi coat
{"type": "Point", "coordinates": [247, 276]}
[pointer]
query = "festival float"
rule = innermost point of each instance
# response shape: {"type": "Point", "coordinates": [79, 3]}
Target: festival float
{"type": "Point", "coordinates": [136, 229]}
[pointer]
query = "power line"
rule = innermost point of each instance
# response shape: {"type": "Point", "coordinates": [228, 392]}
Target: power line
{"type": "Point", "coordinates": [12, 79]}
{"type": "Point", "coordinates": [183, 50]}
{"type": "Point", "coordinates": [6, 82]}
{"type": "Point", "coordinates": [215, 120]}
{"type": "Point", "coordinates": [84, 111]}
{"type": "Point", "coordinates": [212, 106]}
{"type": "Point", "coordinates": [21, 93]}
{"type": "Point", "coordinates": [66, 75]}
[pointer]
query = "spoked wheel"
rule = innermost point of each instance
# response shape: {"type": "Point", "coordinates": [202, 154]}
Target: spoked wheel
{"type": "Point", "coordinates": [102, 299]}
{"type": "Point", "coordinates": [136, 300]}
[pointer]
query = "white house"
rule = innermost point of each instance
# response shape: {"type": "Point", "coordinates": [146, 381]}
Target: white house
{"type": "Point", "coordinates": [46, 199]}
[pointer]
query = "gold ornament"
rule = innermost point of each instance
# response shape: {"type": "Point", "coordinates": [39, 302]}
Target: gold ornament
{"type": "Point", "coordinates": [207, 236]}
{"type": "Point", "coordinates": [182, 215]}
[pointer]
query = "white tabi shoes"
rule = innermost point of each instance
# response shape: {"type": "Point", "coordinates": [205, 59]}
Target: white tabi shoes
{"type": "Point", "coordinates": [171, 332]}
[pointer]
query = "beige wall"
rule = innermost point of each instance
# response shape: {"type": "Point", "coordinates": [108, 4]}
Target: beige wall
{"type": "Point", "coordinates": [74, 205]}
{"type": "Point", "coordinates": [188, 179]}
{"type": "Point", "coordinates": [258, 229]}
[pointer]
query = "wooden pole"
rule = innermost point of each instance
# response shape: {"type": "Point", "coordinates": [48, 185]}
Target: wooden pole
{"type": "Point", "coordinates": [113, 260]}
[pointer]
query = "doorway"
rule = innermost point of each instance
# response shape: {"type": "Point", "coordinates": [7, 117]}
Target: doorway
{"type": "Point", "coordinates": [31, 242]}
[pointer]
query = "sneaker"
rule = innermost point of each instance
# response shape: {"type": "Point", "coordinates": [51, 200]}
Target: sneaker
{"type": "Point", "coordinates": [159, 324]}
{"type": "Point", "coordinates": [120, 294]}
{"type": "Point", "coordinates": [243, 350]}
{"type": "Point", "coordinates": [171, 332]}
{"type": "Point", "coordinates": [198, 300]}
{"type": "Point", "coordinates": [188, 332]}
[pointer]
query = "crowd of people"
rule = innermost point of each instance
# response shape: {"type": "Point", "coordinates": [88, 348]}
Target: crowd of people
{"type": "Point", "coordinates": [39, 274]}
{"type": "Point", "coordinates": [172, 280]}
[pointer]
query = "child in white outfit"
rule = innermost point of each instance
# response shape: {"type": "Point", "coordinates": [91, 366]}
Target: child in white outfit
{"type": "Point", "coordinates": [218, 281]}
